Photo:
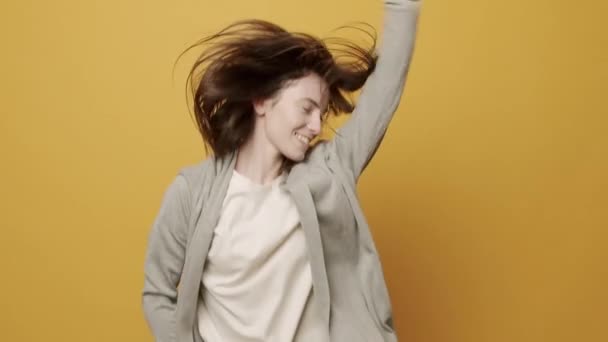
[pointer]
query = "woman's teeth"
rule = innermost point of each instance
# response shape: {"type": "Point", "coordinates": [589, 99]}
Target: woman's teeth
{"type": "Point", "coordinates": [302, 138]}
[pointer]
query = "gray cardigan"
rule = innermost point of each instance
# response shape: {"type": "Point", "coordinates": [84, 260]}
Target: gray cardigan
{"type": "Point", "coordinates": [349, 291]}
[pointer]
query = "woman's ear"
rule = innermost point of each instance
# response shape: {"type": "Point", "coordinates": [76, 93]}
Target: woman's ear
{"type": "Point", "coordinates": [260, 106]}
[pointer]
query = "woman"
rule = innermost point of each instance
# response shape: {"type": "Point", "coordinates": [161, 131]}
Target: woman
{"type": "Point", "coordinates": [266, 240]}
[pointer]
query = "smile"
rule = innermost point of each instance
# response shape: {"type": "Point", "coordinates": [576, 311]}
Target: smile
{"type": "Point", "coordinates": [302, 138]}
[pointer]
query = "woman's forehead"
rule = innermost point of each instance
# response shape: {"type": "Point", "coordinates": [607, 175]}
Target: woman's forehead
{"type": "Point", "coordinates": [311, 86]}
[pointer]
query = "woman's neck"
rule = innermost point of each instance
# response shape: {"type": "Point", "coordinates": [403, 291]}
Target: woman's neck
{"type": "Point", "coordinates": [259, 161]}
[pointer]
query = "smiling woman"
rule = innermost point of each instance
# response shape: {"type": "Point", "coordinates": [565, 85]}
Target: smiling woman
{"type": "Point", "coordinates": [295, 112]}
{"type": "Point", "coordinates": [266, 238]}
{"type": "Point", "coordinates": [257, 82]}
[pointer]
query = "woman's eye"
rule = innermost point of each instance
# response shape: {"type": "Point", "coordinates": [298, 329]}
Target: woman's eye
{"type": "Point", "coordinates": [307, 110]}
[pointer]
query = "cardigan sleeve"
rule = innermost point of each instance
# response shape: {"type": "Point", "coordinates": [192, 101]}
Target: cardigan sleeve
{"type": "Point", "coordinates": [356, 141]}
{"type": "Point", "coordinates": [165, 259]}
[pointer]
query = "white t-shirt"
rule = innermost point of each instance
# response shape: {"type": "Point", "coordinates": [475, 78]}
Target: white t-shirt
{"type": "Point", "coordinates": [257, 283]}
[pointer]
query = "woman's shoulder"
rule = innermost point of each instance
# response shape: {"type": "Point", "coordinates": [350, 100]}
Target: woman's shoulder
{"type": "Point", "coordinates": [318, 152]}
{"type": "Point", "coordinates": [197, 173]}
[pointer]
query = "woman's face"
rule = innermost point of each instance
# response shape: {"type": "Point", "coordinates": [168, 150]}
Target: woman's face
{"type": "Point", "coordinates": [292, 119]}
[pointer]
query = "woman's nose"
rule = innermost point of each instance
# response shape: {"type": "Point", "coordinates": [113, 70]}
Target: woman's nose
{"type": "Point", "coordinates": [315, 124]}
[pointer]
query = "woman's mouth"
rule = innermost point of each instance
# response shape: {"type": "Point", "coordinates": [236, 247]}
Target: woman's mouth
{"type": "Point", "coordinates": [304, 139]}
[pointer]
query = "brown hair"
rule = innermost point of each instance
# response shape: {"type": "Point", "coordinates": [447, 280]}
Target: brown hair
{"type": "Point", "coordinates": [253, 59]}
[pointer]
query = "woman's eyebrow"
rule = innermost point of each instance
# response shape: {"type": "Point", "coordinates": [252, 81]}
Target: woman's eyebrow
{"type": "Point", "coordinates": [311, 101]}
{"type": "Point", "coordinates": [314, 103]}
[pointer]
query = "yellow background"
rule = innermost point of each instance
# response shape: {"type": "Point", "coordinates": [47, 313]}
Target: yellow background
{"type": "Point", "coordinates": [488, 199]}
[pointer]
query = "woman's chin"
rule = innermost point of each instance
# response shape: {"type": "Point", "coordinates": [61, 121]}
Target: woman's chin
{"type": "Point", "coordinates": [295, 156]}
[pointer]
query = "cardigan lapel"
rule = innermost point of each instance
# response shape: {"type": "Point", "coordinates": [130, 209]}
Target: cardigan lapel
{"type": "Point", "coordinates": [300, 193]}
{"type": "Point", "coordinates": [201, 240]}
